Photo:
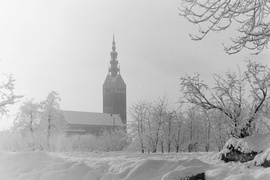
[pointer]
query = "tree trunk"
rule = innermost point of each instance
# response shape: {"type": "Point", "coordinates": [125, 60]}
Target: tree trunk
{"type": "Point", "coordinates": [140, 132]}
{"type": "Point", "coordinates": [169, 139]}
{"type": "Point", "coordinates": [157, 138]}
{"type": "Point", "coordinates": [207, 147]}
{"type": "Point", "coordinates": [191, 131]}
{"type": "Point", "coordinates": [49, 131]}
{"type": "Point", "coordinates": [32, 133]}
{"type": "Point", "coordinates": [177, 141]}
{"type": "Point", "coordinates": [142, 147]}
{"type": "Point", "coordinates": [248, 129]}
{"type": "Point", "coordinates": [154, 149]}
{"type": "Point", "coordinates": [177, 148]}
{"type": "Point", "coordinates": [169, 146]}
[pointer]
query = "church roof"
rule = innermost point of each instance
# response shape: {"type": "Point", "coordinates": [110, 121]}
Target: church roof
{"type": "Point", "coordinates": [91, 118]}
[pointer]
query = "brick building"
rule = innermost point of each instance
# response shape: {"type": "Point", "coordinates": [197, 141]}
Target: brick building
{"type": "Point", "coordinates": [114, 105]}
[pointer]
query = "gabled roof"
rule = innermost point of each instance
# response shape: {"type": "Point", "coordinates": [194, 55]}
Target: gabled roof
{"type": "Point", "coordinates": [91, 118]}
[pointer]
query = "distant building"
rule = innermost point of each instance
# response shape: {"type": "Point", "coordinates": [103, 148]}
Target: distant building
{"type": "Point", "coordinates": [114, 89]}
{"type": "Point", "coordinates": [90, 123]}
{"type": "Point", "coordinates": [114, 105]}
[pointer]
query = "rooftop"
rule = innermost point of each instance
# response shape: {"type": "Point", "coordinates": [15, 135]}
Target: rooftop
{"type": "Point", "coordinates": [92, 118]}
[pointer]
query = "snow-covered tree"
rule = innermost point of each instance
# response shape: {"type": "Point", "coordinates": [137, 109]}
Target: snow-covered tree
{"type": "Point", "coordinates": [28, 118]}
{"type": "Point", "coordinates": [214, 134]}
{"type": "Point", "coordinates": [114, 140]}
{"type": "Point", "coordinates": [147, 123]}
{"type": "Point", "coordinates": [220, 129]}
{"type": "Point", "coordinates": [159, 114]}
{"type": "Point", "coordinates": [251, 17]}
{"type": "Point", "coordinates": [177, 130]}
{"type": "Point", "coordinates": [52, 117]}
{"type": "Point", "coordinates": [155, 126]}
{"type": "Point", "coordinates": [140, 113]}
{"type": "Point", "coordinates": [230, 96]}
{"type": "Point", "coordinates": [168, 127]}
{"type": "Point", "coordinates": [7, 96]}
{"type": "Point", "coordinates": [207, 122]}
{"type": "Point", "coordinates": [193, 127]}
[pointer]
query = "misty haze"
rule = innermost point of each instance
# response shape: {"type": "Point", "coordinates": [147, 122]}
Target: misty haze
{"type": "Point", "coordinates": [135, 90]}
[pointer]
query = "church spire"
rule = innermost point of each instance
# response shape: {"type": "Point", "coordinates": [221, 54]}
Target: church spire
{"type": "Point", "coordinates": [114, 69]}
{"type": "Point", "coordinates": [113, 53]}
{"type": "Point", "coordinates": [114, 88]}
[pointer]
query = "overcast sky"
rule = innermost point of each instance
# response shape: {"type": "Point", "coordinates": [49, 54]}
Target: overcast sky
{"type": "Point", "coordinates": [65, 45]}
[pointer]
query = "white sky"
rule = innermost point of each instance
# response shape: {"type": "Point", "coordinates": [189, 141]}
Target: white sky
{"type": "Point", "coordinates": [65, 46]}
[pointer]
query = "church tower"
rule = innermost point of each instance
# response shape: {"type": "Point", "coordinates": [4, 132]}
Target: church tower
{"type": "Point", "coordinates": [114, 89]}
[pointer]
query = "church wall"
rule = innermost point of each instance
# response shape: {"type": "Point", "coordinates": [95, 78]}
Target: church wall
{"type": "Point", "coordinates": [96, 130]}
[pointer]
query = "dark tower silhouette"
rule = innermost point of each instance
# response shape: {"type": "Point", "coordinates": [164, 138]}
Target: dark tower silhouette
{"type": "Point", "coordinates": [114, 89]}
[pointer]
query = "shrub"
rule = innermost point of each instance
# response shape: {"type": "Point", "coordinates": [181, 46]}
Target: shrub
{"type": "Point", "coordinates": [21, 141]}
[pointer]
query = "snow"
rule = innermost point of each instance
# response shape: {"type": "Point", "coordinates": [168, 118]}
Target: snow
{"type": "Point", "coordinates": [260, 158]}
{"type": "Point", "coordinates": [259, 143]}
{"type": "Point", "coordinates": [122, 166]}
{"type": "Point", "coordinates": [256, 143]}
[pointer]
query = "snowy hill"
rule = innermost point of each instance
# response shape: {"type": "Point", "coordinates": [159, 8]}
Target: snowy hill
{"type": "Point", "coordinates": [123, 166]}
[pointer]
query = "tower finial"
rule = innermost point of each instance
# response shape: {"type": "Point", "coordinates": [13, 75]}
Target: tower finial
{"type": "Point", "coordinates": [113, 46]}
{"type": "Point", "coordinates": [114, 69]}
{"type": "Point", "coordinates": [113, 34]}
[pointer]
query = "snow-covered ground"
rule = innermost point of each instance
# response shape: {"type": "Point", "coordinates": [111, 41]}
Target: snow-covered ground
{"type": "Point", "coordinates": [122, 165]}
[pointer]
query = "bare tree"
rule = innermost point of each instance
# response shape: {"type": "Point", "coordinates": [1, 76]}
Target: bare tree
{"type": "Point", "coordinates": [218, 15]}
{"type": "Point", "coordinates": [214, 129]}
{"type": "Point", "coordinates": [193, 127]}
{"type": "Point", "coordinates": [191, 117]}
{"type": "Point", "coordinates": [178, 129]}
{"type": "Point", "coordinates": [207, 128]}
{"type": "Point", "coordinates": [229, 96]}
{"type": "Point", "coordinates": [168, 129]}
{"type": "Point", "coordinates": [159, 115]}
{"type": "Point", "coordinates": [149, 134]}
{"type": "Point", "coordinates": [219, 129]}
{"type": "Point", "coordinates": [140, 113]}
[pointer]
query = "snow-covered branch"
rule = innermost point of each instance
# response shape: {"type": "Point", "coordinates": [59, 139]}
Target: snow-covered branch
{"type": "Point", "coordinates": [218, 15]}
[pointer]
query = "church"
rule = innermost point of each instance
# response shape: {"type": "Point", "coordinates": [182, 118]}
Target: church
{"type": "Point", "coordinates": [114, 105]}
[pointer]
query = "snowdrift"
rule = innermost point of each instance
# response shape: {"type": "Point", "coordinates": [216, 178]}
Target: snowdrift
{"type": "Point", "coordinates": [123, 166]}
{"type": "Point", "coordinates": [256, 143]}
{"type": "Point", "coordinates": [255, 148]}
